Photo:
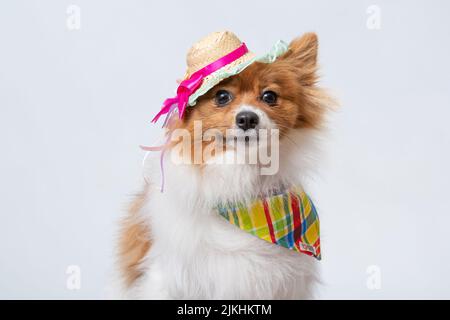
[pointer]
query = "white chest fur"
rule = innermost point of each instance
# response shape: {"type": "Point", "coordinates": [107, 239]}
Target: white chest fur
{"type": "Point", "coordinates": [196, 254]}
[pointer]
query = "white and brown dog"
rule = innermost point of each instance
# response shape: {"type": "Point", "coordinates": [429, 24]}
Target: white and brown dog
{"type": "Point", "coordinates": [174, 245]}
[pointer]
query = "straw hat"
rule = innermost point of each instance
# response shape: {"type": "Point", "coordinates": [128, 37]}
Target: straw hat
{"type": "Point", "coordinates": [211, 48]}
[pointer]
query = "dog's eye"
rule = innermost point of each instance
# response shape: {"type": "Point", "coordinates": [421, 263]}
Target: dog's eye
{"type": "Point", "coordinates": [223, 97]}
{"type": "Point", "coordinates": [269, 97]}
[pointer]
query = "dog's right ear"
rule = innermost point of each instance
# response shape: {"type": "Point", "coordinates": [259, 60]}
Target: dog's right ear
{"type": "Point", "coordinates": [302, 55]}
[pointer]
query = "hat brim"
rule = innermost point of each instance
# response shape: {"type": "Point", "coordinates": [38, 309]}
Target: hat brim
{"type": "Point", "coordinates": [228, 71]}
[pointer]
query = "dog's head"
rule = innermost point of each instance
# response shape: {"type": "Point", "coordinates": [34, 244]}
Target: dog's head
{"type": "Point", "coordinates": [279, 96]}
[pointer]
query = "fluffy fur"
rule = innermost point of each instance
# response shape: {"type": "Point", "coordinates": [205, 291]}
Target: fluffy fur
{"type": "Point", "coordinates": [174, 246]}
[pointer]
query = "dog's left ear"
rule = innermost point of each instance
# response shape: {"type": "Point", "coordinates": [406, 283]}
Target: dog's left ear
{"type": "Point", "coordinates": [302, 55]}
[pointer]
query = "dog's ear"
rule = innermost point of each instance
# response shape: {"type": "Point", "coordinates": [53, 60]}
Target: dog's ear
{"type": "Point", "coordinates": [302, 55]}
{"type": "Point", "coordinates": [304, 49]}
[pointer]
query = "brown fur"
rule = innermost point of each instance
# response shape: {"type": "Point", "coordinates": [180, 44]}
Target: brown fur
{"type": "Point", "coordinates": [134, 242]}
{"type": "Point", "coordinates": [300, 105]}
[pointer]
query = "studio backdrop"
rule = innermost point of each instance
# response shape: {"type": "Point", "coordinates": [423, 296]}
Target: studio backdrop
{"type": "Point", "coordinates": [80, 81]}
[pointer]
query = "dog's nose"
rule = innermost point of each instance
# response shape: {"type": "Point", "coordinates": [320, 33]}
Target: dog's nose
{"type": "Point", "coordinates": [247, 120]}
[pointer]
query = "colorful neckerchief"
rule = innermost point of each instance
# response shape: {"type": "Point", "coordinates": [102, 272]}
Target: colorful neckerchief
{"type": "Point", "coordinates": [287, 218]}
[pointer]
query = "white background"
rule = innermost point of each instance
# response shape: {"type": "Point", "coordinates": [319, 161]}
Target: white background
{"type": "Point", "coordinates": [76, 104]}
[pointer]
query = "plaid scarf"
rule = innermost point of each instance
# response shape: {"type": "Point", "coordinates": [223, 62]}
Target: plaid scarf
{"type": "Point", "coordinates": [287, 218]}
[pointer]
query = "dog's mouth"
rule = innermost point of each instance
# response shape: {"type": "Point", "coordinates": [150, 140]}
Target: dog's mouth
{"type": "Point", "coordinates": [234, 137]}
{"type": "Point", "coordinates": [252, 138]}
{"type": "Point", "coordinates": [247, 137]}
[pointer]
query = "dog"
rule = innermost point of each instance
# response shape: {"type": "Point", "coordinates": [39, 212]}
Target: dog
{"type": "Point", "coordinates": [173, 244]}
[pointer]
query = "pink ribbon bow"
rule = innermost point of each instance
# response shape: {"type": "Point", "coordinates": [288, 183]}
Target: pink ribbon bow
{"type": "Point", "coordinates": [189, 86]}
